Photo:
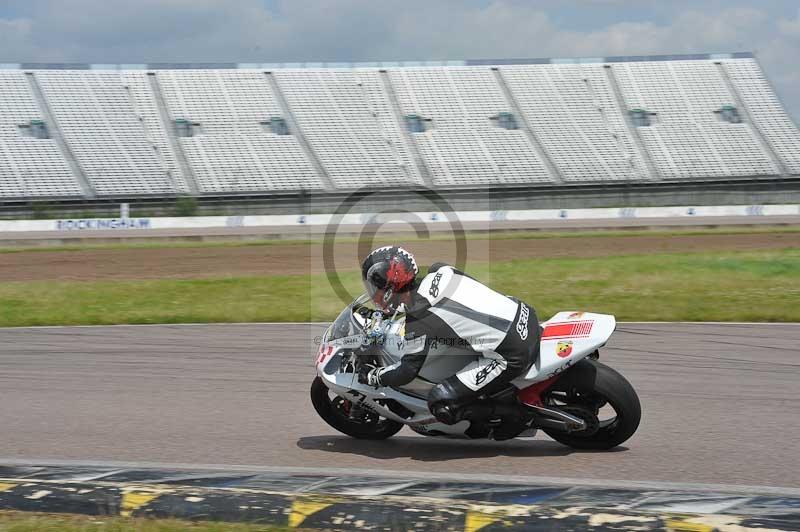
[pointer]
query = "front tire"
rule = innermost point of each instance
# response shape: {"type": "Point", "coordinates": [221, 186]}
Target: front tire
{"type": "Point", "coordinates": [611, 389]}
{"type": "Point", "coordinates": [331, 408]}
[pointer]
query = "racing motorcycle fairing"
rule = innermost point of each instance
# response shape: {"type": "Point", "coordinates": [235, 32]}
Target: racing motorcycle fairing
{"type": "Point", "coordinates": [346, 385]}
{"type": "Point", "coordinates": [567, 338]}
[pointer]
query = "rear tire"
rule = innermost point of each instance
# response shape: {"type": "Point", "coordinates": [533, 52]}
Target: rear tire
{"type": "Point", "coordinates": [329, 409]}
{"type": "Point", "coordinates": [612, 388]}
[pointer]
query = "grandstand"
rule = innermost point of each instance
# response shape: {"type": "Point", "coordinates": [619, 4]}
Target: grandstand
{"type": "Point", "coordinates": [109, 132]}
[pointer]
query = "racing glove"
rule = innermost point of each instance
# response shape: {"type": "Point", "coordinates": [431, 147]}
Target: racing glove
{"type": "Point", "coordinates": [369, 375]}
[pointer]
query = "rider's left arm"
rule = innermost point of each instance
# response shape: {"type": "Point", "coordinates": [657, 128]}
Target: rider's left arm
{"type": "Point", "coordinates": [405, 371]}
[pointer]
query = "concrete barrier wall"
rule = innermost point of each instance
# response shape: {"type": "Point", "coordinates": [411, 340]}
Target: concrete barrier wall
{"type": "Point", "coordinates": [426, 217]}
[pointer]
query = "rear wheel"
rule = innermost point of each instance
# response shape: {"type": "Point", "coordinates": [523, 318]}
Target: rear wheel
{"type": "Point", "coordinates": [340, 414]}
{"type": "Point", "coordinates": [611, 411]}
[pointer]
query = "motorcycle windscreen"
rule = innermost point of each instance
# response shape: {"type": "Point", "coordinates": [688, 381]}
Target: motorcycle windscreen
{"type": "Point", "coordinates": [348, 324]}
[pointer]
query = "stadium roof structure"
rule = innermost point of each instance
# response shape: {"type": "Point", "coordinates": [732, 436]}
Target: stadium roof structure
{"type": "Point", "coordinates": [373, 64]}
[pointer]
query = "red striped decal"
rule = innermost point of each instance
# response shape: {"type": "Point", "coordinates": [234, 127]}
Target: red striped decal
{"type": "Point", "coordinates": [323, 353]}
{"type": "Point", "coordinates": [576, 329]}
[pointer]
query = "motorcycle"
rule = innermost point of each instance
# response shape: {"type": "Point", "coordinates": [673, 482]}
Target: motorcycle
{"type": "Point", "coordinates": [567, 393]}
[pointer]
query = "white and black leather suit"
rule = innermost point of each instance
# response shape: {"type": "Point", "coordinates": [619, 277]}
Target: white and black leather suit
{"type": "Point", "coordinates": [451, 307]}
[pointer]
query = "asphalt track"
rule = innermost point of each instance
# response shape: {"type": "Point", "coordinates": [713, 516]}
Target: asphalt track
{"type": "Point", "coordinates": [719, 402]}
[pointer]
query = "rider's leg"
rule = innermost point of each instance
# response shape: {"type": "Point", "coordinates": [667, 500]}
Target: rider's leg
{"type": "Point", "coordinates": [450, 400]}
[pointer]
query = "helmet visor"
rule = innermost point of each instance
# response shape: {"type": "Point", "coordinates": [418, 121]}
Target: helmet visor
{"type": "Point", "coordinates": [377, 287]}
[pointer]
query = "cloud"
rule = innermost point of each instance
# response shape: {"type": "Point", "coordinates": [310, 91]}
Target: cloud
{"type": "Point", "coordinates": [146, 30]}
{"type": "Point", "coordinates": [14, 37]}
{"type": "Point", "coordinates": [111, 31]}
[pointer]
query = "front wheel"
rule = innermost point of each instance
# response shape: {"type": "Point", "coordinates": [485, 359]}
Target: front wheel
{"type": "Point", "coordinates": [611, 409]}
{"type": "Point", "coordinates": [338, 413]}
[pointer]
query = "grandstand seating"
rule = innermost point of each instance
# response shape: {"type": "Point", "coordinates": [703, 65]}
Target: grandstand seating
{"type": "Point", "coordinates": [146, 107]}
{"type": "Point", "coordinates": [766, 110]}
{"type": "Point", "coordinates": [234, 153]}
{"type": "Point", "coordinates": [29, 167]}
{"type": "Point", "coordinates": [571, 108]}
{"type": "Point", "coordinates": [461, 146]}
{"type": "Point", "coordinates": [687, 140]}
{"type": "Point", "coordinates": [348, 119]}
{"type": "Point", "coordinates": [110, 131]}
{"type": "Point", "coordinates": [97, 117]}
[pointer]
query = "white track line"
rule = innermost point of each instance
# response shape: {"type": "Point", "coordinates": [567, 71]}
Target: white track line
{"type": "Point", "coordinates": [416, 475]}
{"type": "Point", "coordinates": [324, 323]}
{"type": "Point", "coordinates": [320, 323]}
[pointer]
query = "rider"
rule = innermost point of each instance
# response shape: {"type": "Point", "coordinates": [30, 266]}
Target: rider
{"type": "Point", "coordinates": [449, 307]}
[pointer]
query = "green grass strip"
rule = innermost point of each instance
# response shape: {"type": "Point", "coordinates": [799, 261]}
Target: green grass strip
{"type": "Point", "coordinates": [719, 286]}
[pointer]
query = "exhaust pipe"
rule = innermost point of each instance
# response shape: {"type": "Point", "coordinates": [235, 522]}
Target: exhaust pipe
{"type": "Point", "coordinates": [553, 418]}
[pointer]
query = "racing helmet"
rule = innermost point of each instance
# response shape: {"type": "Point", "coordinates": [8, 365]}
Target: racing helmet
{"type": "Point", "coordinates": [387, 273]}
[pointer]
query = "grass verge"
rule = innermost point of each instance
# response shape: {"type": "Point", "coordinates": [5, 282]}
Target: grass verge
{"type": "Point", "coordinates": [719, 286]}
{"type": "Point", "coordinates": [28, 522]}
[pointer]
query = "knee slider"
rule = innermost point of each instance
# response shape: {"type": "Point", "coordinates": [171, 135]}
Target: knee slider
{"type": "Point", "coordinates": [444, 404]}
{"type": "Point", "coordinates": [446, 413]}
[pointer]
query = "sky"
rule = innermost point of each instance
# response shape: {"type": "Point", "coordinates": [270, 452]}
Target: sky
{"type": "Point", "coordinates": [267, 31]}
